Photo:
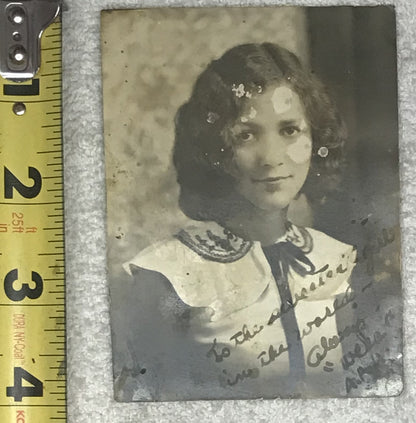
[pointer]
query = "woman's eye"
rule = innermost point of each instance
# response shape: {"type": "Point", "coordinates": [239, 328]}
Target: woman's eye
{"type": "Point", "coordinates": [290, 131]}
{"type": "Point", "coordinates": [245, 136]}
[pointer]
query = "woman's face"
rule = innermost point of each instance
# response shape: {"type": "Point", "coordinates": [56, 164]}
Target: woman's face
{"type": "Point", "coordinates": [272, 147]}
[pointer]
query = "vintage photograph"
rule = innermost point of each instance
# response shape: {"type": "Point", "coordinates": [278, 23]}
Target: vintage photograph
{"type": "Point", "coordinates": [253, 202]}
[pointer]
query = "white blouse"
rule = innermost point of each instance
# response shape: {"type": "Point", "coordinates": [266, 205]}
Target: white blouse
{"type": "Point", "coordinates": [240, 330]}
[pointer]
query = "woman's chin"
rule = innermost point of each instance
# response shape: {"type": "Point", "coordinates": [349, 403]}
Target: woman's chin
{"type": "Point", "coordinates": [270, 198]}
{"type": "Point", "coordinates": [271, 203]}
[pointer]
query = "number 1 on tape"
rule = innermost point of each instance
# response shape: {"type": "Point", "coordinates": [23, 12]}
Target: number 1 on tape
{"type": "Point", "coordinates": [32, 291]}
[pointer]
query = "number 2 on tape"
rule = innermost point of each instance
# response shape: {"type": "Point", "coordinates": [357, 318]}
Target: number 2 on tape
{"type": "Point", "coordinates": [32, 289]}
{"type": "Point", "coordinates": [10, 182]}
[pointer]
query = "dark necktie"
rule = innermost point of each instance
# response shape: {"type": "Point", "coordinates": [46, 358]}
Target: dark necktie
{"type": "Point", "coordinates": [282, 257]}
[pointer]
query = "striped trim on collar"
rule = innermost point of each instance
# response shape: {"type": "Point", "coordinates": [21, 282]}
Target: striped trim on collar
{"type": "Point", "coordinates": [215, 243]}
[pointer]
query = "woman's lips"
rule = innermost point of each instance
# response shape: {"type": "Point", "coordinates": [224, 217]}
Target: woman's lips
{"type": "Point", "coordinates": [271, 179]}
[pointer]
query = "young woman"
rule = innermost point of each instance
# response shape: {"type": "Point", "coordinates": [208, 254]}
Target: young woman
{"type": "Point", "coordinates": [243, 303]}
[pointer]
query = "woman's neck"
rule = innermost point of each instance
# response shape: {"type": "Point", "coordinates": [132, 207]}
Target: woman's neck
{"type": "Point", "coordinates": [259, 225]}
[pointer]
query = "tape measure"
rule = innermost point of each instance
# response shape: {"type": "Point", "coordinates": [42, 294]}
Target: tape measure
{"type": "Point", "coordinates": [32, 291]}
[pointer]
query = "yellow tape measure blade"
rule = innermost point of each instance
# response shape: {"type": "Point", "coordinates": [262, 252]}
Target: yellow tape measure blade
{"type": "Point", "coordinates": [32, 290]}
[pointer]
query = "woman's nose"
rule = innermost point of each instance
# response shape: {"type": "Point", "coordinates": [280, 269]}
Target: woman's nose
{"type": "Point", "coordinates": [271, 150]}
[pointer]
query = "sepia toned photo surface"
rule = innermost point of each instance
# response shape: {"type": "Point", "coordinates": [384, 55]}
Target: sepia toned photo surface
{"type": "Point", "coordinates": [253, 198]}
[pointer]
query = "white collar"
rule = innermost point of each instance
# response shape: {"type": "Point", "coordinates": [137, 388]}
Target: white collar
{"type": "Point", "coordinates": [210, 267]}
{"type": "Point", "coordinates": [213, 242]}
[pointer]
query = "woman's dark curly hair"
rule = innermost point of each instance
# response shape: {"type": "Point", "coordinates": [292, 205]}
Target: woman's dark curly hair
{"type": "Point", "coordinates": [201, 155]}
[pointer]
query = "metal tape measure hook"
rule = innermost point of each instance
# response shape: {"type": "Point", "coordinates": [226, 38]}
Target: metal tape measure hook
{"type": "Point", "coordinates": [21, 26]}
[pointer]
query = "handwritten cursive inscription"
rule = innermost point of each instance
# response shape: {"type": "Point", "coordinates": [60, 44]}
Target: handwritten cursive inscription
{"type": "Point", "coordinates": [347, 298]}
{"type": "Point", "coordinates": [272, 354]}
{"type": "Point", "coordinates": [363, 343]}
{"type": "Point", "coordinates": [285, 307]}
{"type": "Point", "coordinates": [245, 335]}
{"type": "Point", "coordinates": [219, 356]}
{"type": "Point", "coordinates": [370, 251]}
{"type": "Point", "coordinates": [378, 368]}
{"type": "Point", "coordinates": [318, 352]}
{"type": "Point", "coordinates": [324, 275]}
{"type": "Point", "coordinates": [252, 373]}
{"type": "Point", "coordinates": [361, 348]}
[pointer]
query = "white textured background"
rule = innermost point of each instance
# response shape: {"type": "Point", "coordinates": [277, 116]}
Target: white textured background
{"type": "Point", "coordinates": [90, 389]}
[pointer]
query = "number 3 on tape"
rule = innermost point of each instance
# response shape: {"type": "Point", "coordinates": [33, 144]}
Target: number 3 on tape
{"type": "Point", "coordinates": [26, 291]}
{"type": "Point", "coordinates": [32, 291]}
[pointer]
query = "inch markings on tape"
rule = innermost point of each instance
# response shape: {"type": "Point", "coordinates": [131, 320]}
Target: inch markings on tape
{"type": "Point", "coordinates": [32, 290]}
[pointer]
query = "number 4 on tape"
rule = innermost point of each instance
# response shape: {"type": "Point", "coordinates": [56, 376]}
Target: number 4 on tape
{"type": "Point", "coordinates": [32, 294]}
{"type": "Point", "coordinates": [18, 391]}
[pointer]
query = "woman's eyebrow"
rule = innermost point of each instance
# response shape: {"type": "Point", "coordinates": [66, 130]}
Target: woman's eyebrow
{"type": "Point", "coordinates": [288, 122]}
{"type": "Point", "coordinates": [249, 125]}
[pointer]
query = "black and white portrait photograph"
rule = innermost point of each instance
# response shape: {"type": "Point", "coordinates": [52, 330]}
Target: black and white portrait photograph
{"type": "Point", "coordinates": [253, 202]}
